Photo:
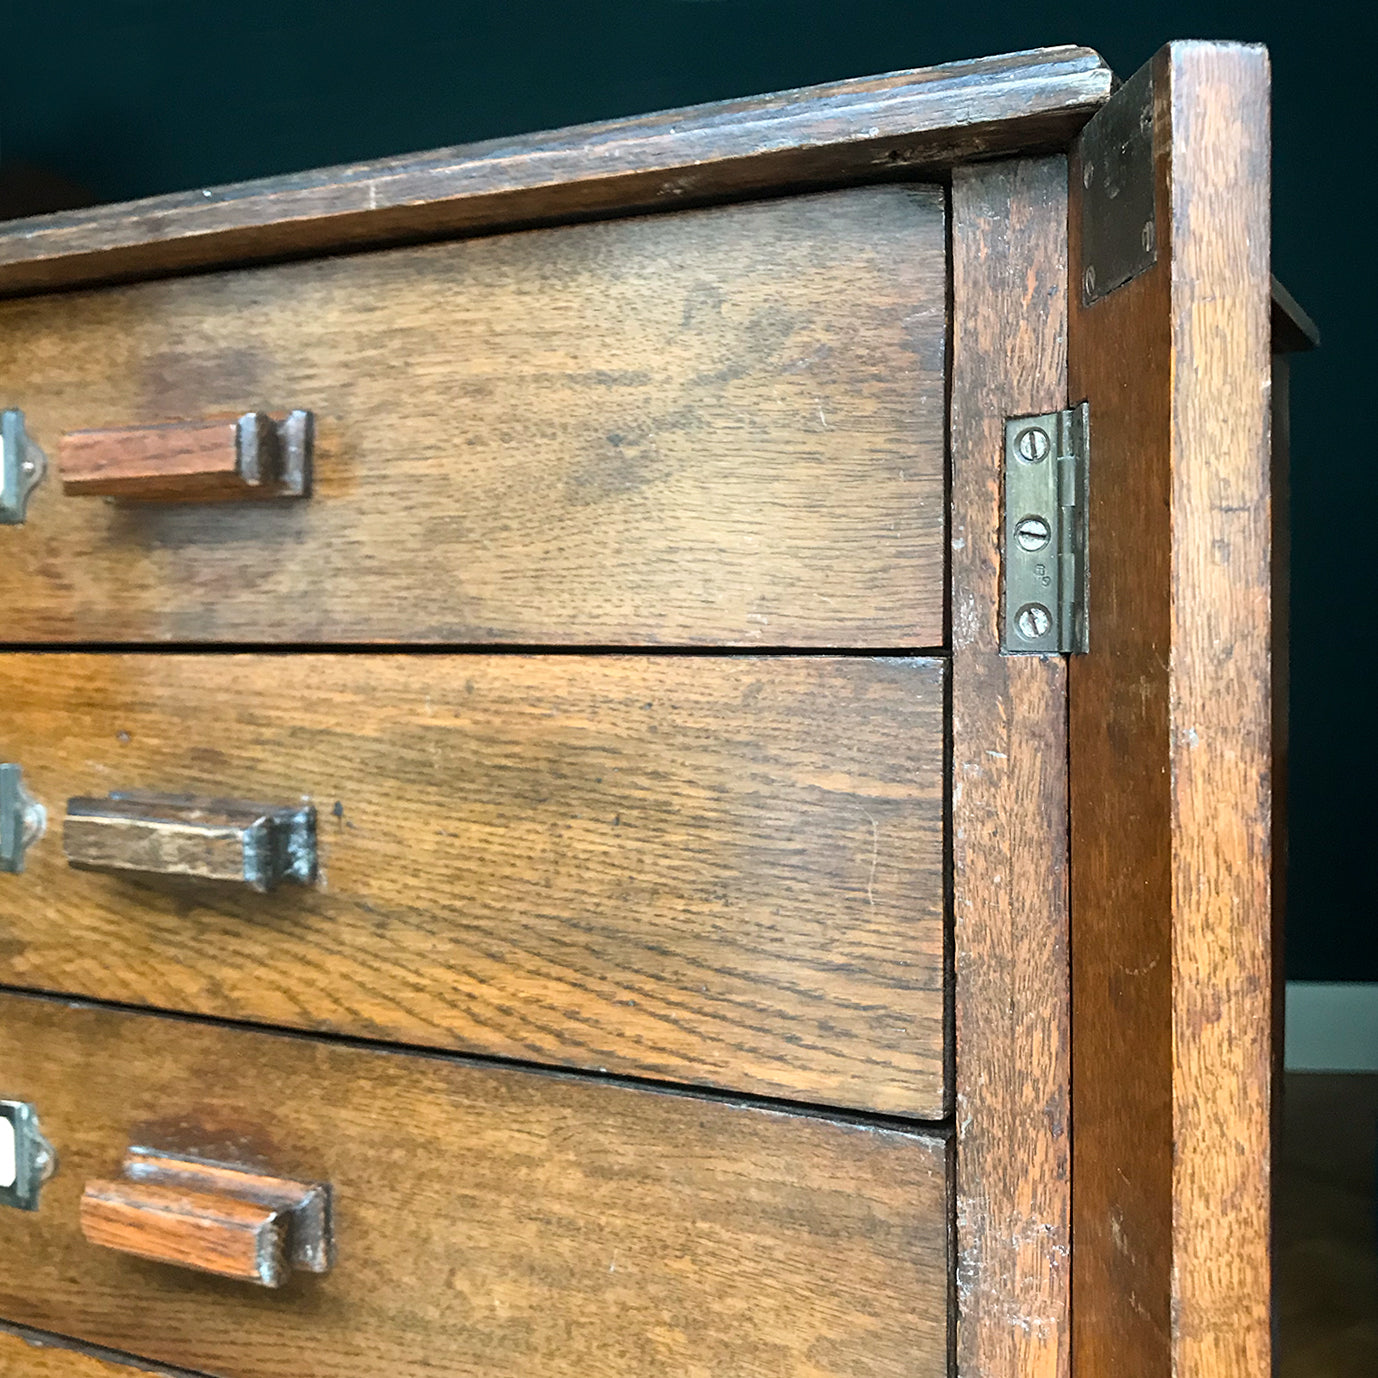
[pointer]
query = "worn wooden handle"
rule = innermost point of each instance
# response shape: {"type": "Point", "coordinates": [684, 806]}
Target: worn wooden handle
{"type": "Point", "coordinates": [210, 1217]}
{"type": "Point", "coordinates": [254, 456]}
{"type": "Point", "coordinates": [212, 1234]}
{"type": "Point", "coordinates": [233, 840]}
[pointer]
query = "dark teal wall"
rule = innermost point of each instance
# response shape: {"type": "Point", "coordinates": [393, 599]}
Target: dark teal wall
{"type": "Point", "coordinates": [132, 97]}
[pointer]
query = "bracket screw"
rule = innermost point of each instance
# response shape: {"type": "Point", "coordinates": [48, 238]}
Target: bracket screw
{"type": "Point", "coordinates": [1031, 445]}
{"type": "Point", "coordinates": [1033, 621]}
{"type": "Point", "coordinates": [1032, 534]}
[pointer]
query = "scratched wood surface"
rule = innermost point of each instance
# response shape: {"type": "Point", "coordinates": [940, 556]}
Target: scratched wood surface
{"type": "Point", "coordinates": [870, 128]}
{"type": "Point", "coordinates": [492, 1220]}
{"type": "Point", "coordinates": [1170, 758]}
{"type": "Point", "coordinates": [720, 870]}
{"type": "Point", "coordinates": [718, 427]}
{"type": "Point", "coordinates": [1009, 798]}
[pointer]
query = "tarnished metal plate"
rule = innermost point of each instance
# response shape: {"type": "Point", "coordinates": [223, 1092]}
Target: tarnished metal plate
{"type": "Point", "coordinates": [22, 819]}
{"type": "Point", "coordinates": [27, 1159]}
{"type": "Point", "coordinates": [22, 466]}
{"type": "Point", "coordinates": [1119, 232]}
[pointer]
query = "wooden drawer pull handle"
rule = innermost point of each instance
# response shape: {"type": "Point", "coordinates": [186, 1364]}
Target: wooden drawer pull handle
{"type": "Point", "coordinates": [192, 461]}
{"type": "Point", "coordinates": [258, 845]}
{"type": "Point", "coordinates": [211, 1217]}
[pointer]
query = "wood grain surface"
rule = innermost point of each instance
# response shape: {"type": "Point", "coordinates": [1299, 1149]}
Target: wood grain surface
{"type": "Point", "coordinates": [720, 870]}
{"type": "Point", "coordinates": [719, 427]}
{"type": "Point", "coordinates": [1009, 798]}
{"type": "Point", "coordinates": [1169, 750]}
{"type": "Point", "coordinates": [870, 128]}
{"type": "Point", "coordinates": [26, 1353]}
{"type": "Point", "coordinates": [489, 1220]}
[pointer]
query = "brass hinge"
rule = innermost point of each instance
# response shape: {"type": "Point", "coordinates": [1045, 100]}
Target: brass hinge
{"type": "Point", "coordinates": [1043, 555]}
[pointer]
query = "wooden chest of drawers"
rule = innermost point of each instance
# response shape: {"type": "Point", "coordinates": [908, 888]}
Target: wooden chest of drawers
{"type": "Point", "coordinates": [681, 878]}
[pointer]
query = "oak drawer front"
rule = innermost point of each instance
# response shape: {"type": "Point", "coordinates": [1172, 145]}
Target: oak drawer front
{"type": "Point", "coordinates": [714, 427]}
{"type": "Point", "coordinates": [25, 1356]}
{"type": "Point", "coordinates": [486, 1220]}
{"type": "Point", "coordinates": [718, 870]}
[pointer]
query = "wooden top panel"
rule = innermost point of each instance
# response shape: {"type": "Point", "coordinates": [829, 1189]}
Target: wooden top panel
{"type": "Point", "coordinates": [723, 427]}
{"type": "Point", "coordinates": [488, 1221]}
{"type": "Point", "coordinates": [865, 129]}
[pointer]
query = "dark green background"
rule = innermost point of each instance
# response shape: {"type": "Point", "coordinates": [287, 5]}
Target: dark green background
{"type": "Point", "coordinates": [133, 97]}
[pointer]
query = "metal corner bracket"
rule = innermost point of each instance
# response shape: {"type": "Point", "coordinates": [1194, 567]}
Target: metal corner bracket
{"type": "Point", "coordinates": [1114, 161]}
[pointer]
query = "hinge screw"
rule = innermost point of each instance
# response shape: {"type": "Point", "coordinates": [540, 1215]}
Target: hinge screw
{"type": "Point", "coordinates": [1088, 281]}
{"type": "Point", "coordinates": [1031, 445]}
{"type": "Point", "coordinates": [1033, 621]}
{"type": "Point", "coordinates": [1032, 533]}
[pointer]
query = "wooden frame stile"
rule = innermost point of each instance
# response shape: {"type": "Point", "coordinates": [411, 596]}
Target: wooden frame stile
{"type": "Point", "coordinates": [1009, 796]}
{"type": "Point", "coordinates": [1169, 738]}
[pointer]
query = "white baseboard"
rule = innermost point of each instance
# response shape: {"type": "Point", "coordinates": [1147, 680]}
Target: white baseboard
{"type": "Point", "coordinates": [1332, 1026]}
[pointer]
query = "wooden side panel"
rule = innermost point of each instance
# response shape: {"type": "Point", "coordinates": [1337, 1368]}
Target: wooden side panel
{"type": "Point", "coordinates": [1009, 797]}
{"type": "Point", "coordinates": [1280, 477]}
{"type": "Point", "coordinates": [720, 870]}
{"type": "Point", "coordinates": [489, 1220]}
{"type": "Point", "coordinates": [1170, 758]}
{"type": "Point", "coordinates": [720, 427]}
{"type": "Point", "coordinates": [1292, 331]}
{"type": "Point", "coordinates": [863, 129]}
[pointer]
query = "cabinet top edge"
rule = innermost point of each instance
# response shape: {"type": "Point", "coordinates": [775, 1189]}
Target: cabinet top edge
{"type": "Point", "coordinates": [1294, 332]}
{"type": "Point", "coordinates": [889, 127]}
